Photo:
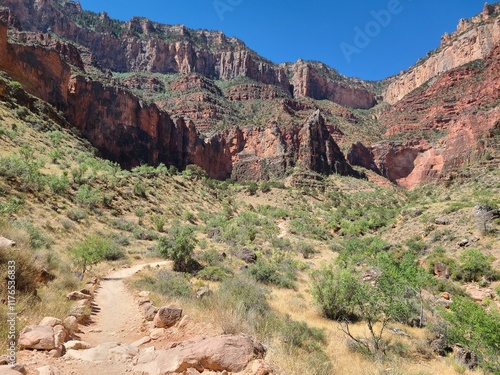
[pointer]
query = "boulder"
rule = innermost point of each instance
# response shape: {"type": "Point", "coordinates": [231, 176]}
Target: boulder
{"type": "Point", "coordinates": [247, 255]}
{"type": "Point", "coordinates": [258, 367]}
{"type": "Point", "coordinates": [203, 292]}
{"type": "Point", "coordinates": [109, 351]}
{"type": "Point", "coordinates": [77, 295]}
{"type": "Point", "coordinates": [141, 341]}
{"type": "Point", "coordinates": [480, 294]}
{"type": "Point", "coordinates": [77, 345]}
{"type": "Point", "coordinates": [466, 357]}
{"type": "Point", "coordinates": [48, 370]}
{"type": "Point", "coordinates": [185, 321]}
{"type": "Point", "coordinates": [441, 271]}
{"type": "Point", "coordinates": [439, 345]}
{"type": "Point", "coordinates": [167, 316]}
{"type": "Point", "coordinates": [156, 333]}
{"type": "Point", "coordinates": [5, 242]}
{"type": "Point", "coordinates": [60, 335]}
{"type": "Point", "coordinates": [231, 353]}
{"type": "Point", "coordinates": [463, 242]}
{"type": "Point", "coordinates": [148, 310]}
{"type": "Point", "coordinates": [71, 324]}
{"type": "Point", "coordinates": [45, 276]}
{"type": "Point", "coordinates": [81, 310]}
{"type": "Point", "coordinates": [9, 370]}
{"type": "Point", "coordinates": [50, 322]}
{"type": "Point", "coordinates": [37, 337]}
{"type": "Point", "coordinates": [442, 221]}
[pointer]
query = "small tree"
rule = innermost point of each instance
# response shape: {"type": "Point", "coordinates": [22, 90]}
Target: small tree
{"type": "Point", "coordinates": [178, 246]}
{"type": "Point", "coordinates": [93, 249]}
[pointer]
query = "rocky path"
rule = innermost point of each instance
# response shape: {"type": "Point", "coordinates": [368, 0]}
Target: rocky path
{"type": "Point", "coordinates": [117, 317]}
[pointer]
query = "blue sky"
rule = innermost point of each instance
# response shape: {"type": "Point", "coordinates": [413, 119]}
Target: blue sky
{"type": "Point", "coordinates": [369, 39]}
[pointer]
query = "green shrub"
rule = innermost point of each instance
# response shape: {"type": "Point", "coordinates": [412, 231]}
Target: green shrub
{"type": "Point", "coordinates": [211, 257]}
{"type": "Point", "coordinates": [279, 270]}
{"type": "Point", "coordinates": [215, 273]}
{"type": "Point", "coordinates": [167, 283]}
{"type": "Point", "coordinates": [306, 249]}
{"type": "Point", "coordinates": [77, 214]}
{"type": "Point", "coordinates": [300, 335]}
{"type": "Point", "coordinates": [159, 222]}
{"type": "Point", "coordinates": [252, 188]}
{"type": "Point", "coordinates": [178, 245]}
{"type": "Point", "coordinates": [38, 238]}
{"type": "Point", "coordinates": [94, 249]}
{"type": "Point", "coordinates": [360, 250]}
{"type": "Point", "coordinates": [59, 185]}
{"type": "Point", "coordinates": [335, 291]}
{"type": "Point", "coordinates": [475, 328]}
{"type": "Point", "coordinates": [476, 265]}
{"type": "Point", "coordinates": [88, 197]}
{"type": "Point", "coordinates": [139, 189]}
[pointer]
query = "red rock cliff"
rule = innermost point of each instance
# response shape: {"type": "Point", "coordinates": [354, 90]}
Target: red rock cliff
{"type": "Point", "coordinates": [474, 39]}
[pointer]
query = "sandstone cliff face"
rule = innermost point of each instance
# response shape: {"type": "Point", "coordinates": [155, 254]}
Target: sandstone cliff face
{"type": "Point", "coordinates": [308, 82]}
{"type": "Point", "coordinates": [474, 39]}
{"type": "Point", "coordinates": [130, 132]}
{"type": "Point", "coordinates": [460, 107]}
{"type": "Point", "coordinates": [142, 45]}
{"type": "Point", "coordinates": [41, 71]}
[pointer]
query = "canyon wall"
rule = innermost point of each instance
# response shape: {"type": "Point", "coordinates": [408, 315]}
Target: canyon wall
{"type": "Point", "coordinates": [128, 131]}
{"type": "Point", "coordinates": [142, 45]}
{"type": "Point", "coordinates": [474, 39]}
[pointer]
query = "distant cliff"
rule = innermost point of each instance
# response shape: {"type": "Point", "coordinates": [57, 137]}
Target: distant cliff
{"type": "Point", "coordinates": [474, 39]}
{"type": "Point", "coordinates": [143, 45]}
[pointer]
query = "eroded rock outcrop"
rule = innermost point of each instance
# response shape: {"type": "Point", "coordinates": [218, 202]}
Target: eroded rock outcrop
{"type": "Point", "coordinates": [308, 81]}
{"type": "Point", "coordinates": [474, 39]}
{"type": "Point", "coordinates": [231, 353]}
{"type": "Point", "coordinates": [143, 45]}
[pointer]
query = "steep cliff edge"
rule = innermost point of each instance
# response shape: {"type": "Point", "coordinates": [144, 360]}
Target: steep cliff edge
{"type": "Point", "coordinates": [474, 39]}
{"type": "Point", "coordinates": [446, 125]}
{"type": "Point", "coordinates": [143, 45]}
{"type": "Point", "coordinates": [131, 132]}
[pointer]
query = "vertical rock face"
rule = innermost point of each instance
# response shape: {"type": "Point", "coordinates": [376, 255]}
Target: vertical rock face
{"type": "Point", "coordinates": [41, 71]}
{"type": "Point", "coordinates": [404, 163]}
{"type": "Point", "coordinates": [474, 39]}
{"type": "Point", "coordinates": [141, 45]}
{"type": "Point", "coordinates": [308, 82]}
{"type": "Point", "coordinates": [131, 132]}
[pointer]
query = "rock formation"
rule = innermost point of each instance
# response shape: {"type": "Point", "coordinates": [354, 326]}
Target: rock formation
{"type": "Point", "coordinates": [143, 45]}
{"type": "Point", "coordinates": [474, 39]}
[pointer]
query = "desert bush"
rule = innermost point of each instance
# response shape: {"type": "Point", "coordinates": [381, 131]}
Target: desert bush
{"type": "Point", "coordinates": [94, 249]}
{"type": "Point", "coordinates": [58, 184]}
{"type": "Point", "coordinates": [475, 265]}
{"type": "Point", "coordinates": [211, 257]}
{"type": "Point", "coordinates": [335, 291]}
{"type": "Point", "coordinates": [299, 335]}
{"type": "Point", "coordinates": [24, 167]}
{"type": "Point", "coordinates": [77, 214]}
{"type": "Point", "coordinates": [139, 188]}
{"type": "Point", "coordinates": [12, 205]}
{"type": "Point", "coordinates": [22, 262]}
{"type": "Point", "coordinates": [159, 222]}
{"type": "Point", "coordinates": [88, 197]}
{"type": "Point", "coordinates": [178, 245]}
{"type": "Point", "coordinates": [38, 239]}
{"type": "Point", "coordinates": [306, 249]}
{"type": "Point", "coordinates": [280, 270]}
{"type": "Point", "coordinates": [215, 273]}
{"type": "Point", "coordinates": [475, 328]}
{"type": "Point", "coordinates": [356, 250]}
{"type": "Point", "coordinates": [165, 282]}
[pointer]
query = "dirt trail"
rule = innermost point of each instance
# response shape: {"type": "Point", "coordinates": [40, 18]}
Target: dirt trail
{"type": "Point", "coordinates": [118, 318]}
